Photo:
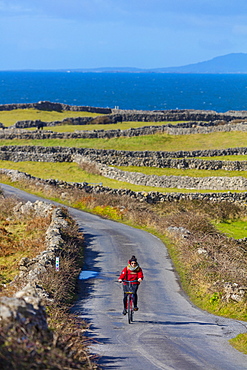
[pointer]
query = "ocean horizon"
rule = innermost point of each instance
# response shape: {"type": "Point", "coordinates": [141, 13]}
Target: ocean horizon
{"type": "Point", "coordinates": [134, 91]}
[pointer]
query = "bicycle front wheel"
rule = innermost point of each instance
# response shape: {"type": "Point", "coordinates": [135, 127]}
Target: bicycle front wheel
{"type": "Point", "coordinates": [130, 308]}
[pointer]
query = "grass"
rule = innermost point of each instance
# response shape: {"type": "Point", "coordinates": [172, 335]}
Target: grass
{"type": "Point", "coordinates": [225, 158]}
{"type": "Point", "coordinates": [8, 118]}
{"type": "Point", "coordinates": [236, 229]}
{"type": "Point", "coordinates": [114, 126]}
{"type": "Point", "coordinates": [240, 343]}
{"type": "Point", "coordinates": [157, 142]}
{"type": "Point", "coordinates": [19, 237]}
{"type": "Point", "coordinates": [182, 172]}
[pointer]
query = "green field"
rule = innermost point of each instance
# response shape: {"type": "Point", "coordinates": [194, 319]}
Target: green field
{"type": "Point", "coordinates": [182, 172]}
{"type": "Point", "coordinates": [113, 126]}
{"type": "Point", "coordinates": [8, 118]}
{"type": "Point", "coordinates": [226, 158]}
{"type": "Point", "coordinates": [158, 142]}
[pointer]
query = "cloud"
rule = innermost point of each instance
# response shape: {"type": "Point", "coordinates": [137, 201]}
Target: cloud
{"type": "Point", "coordinates": [135, 32]}
{"type": "Point", "coordinates": [13, 8]}
{"type": "Point", "coordinates": [108, 9]}
{"type": "Point", "coordinates": [67, 9]}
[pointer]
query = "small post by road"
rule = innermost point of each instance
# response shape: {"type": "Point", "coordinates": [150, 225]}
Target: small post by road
{"type": "Point", "coordinates": [57, 263]}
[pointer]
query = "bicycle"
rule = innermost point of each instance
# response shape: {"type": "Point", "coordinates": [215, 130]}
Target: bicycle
{"type": "Point", "coordinates": [130, 300]}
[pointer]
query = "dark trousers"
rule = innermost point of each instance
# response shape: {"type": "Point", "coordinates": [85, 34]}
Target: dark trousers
{"type": "Point", "coordinates": [134, 288]}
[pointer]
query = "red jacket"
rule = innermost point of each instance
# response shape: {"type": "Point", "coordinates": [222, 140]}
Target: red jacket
{"type": "Point", "coordinates": [129, 275]}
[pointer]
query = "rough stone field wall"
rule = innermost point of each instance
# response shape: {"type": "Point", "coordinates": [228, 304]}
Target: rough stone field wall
{"type": "Point", "coordinates": [106, 158]}
{"type": "Point", "coordinates": [150, 197]}
{"type": "Point", "coordinates": [27, 305]}
{"type": "Point", "coordinates": [204, 122]}
{"type": "Point", "coordinates": [180, 182]}
{"type": "Point", "coordinates": [135, 115]}
{"type": "Point", "coordinates": [198, 121]}
{"type": "Point", "coordinates": [49, 106]}
{"type": "Point", "coordinates": [179, 115]}
{"type": "Point", "coordinates": [187, 128]}
{"type": "Point", "coordinates": [160, 159]}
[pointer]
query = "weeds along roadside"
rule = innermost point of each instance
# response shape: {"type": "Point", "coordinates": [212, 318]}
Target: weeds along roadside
{"type": "Point", "coordinates": [204, 258]}
{"type": "Point", "coordinates": [63, 345]}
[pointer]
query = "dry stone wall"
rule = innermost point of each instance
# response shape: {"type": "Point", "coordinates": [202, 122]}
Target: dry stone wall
{"type": "Point", "coordinates": [179, 182]}
{"type": "Point", "coordinates": [185, 128]}
{"type": "Point", "coordinates": [135, 115]}
{"type": "Point", "coordinates": [106, 158]}
{"type": "Point", "coordinates": [179, 115]}
{"type": "Point", "coordinates": [151, 197]}
{"type": "Point", "coordinates": [27, 305]}
{"type": "Point", "coordinates": [197, 121]}
{"type": "Point", "coordinates": [180, 159]}
{"type": "Point", "coordinates": [49, 106]}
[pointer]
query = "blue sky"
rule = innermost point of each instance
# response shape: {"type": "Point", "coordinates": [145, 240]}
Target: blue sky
{"type": "Point", "coordinates": [54, 34]}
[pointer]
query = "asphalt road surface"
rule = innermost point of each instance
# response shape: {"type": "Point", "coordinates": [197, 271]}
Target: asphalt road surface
{"type": "Point", "coordinates": [168, 332]}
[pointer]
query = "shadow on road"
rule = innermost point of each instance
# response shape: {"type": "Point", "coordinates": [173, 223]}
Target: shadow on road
{"type": "Point", "coordinates": [175, 322]}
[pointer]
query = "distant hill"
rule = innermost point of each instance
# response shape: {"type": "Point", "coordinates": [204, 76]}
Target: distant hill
{"type": "Point", "coordinates": [109, 69]}
{"type": "Point", "coordinates": [230, 63]}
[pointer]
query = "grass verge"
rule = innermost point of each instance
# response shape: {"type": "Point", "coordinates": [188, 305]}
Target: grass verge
{"type": "Point", "coordinates": [240, 343]}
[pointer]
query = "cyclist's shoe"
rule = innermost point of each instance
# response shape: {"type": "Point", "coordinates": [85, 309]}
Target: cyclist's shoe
{"type": "Point", "coordinates": [136, 308]}
{"type": "Point", "coordinates": [124, 311]}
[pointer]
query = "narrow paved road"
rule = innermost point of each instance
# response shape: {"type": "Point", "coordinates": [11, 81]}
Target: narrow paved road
{"type": "Point", "coordinates": [168, 332]}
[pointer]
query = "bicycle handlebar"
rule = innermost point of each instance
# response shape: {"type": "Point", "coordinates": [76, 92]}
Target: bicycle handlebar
{"type": "Point", "coordinates": [130, 281]}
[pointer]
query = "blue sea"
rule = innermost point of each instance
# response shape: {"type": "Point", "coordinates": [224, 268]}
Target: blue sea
{"type": "Point", "coordinates": [146, 91]}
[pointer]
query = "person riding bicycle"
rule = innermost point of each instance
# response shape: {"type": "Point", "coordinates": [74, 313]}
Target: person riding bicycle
{"type": "Point", "coordinates": [132, 272]}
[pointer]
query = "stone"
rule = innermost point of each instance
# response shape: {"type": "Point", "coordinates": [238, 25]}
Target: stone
{"type": "Point", "coordinates": [232, 291]}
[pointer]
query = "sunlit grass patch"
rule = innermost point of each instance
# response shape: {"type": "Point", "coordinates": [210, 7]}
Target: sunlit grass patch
{"type": "Point", "coordinates": [8, 118]}
{"type": "Point", "coordinates": [114, 213]}
{"type": "Point", "coordinates": [157, 142]}
{"type": "Point", "coordinates": [19, 237]}
{"type": "Point", "coordinates": [91, 127]}
{"type": "Point", "coordinates": [182, 172]}
{"type": "Point", "coordinates": [213, 303]}
{"type": "Point", "coordinates": [106, 127]}
{"type": "Point", "coordinates": [225, 158]}
{"type": "Point", "coordinates": [9, 267]}
{"type": "Point", "coordinates": [240, 343]}
{"type": "Point", "coordinates": [236, 229]}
